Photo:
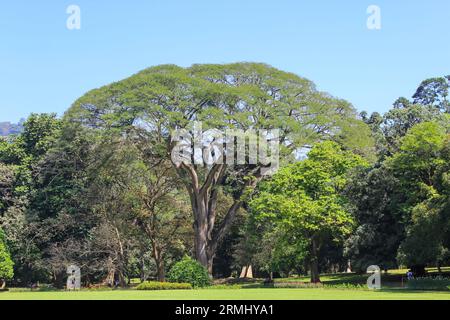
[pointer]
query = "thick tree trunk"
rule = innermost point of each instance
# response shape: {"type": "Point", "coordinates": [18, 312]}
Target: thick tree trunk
{"type": "Point", "coordinates": [315, 247]}
{"type": "Point", "coordinates": [160, 270]}
{"type": "Point", "coordinates": [59, 278]}
{"type": "Point", "coordinates": [204, 202]}
{"type": "Point", "coordinates": [161, 273]}
{"type": "Point", "coordinates": [122, 279]}
{"type": "Point", "coordinates": [210, 265]}
{"type": "Point", "coordinates": [205, 241]}
{"type": "Point", "coordinates": [201, 238]}
{"type": "Point", "coordinates": [419, 270]}
{"type": "Point", "coordinates": [159, 261]}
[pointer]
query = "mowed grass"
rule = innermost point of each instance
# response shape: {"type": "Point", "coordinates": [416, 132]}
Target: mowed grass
{"type": "Point", "coordinates": [230, 294]}
{"type": "Point", "coordinates": [393, 289]}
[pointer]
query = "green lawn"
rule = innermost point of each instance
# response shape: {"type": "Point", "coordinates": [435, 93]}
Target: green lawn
{"type": "Point", "coordinates": [230, 294]}
{"type": "Point", "coordinates": [393, 289]}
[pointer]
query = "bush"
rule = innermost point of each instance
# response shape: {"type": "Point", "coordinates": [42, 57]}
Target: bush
{"type": "Point", "coordinates": [189, 271]}
{"type": "Point", "coordinates": [349, 286]}
{"type": "Point", "coordinates": [429, 283]}
{"type": "Point", "coordinates": [151, 285]}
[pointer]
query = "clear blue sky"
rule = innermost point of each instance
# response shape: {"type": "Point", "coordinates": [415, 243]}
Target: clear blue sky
{"type": "Point", "coordinates": [44, 66]}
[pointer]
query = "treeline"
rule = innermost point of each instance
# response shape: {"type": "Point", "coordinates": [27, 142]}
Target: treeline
{"type": "Point", "coordinates": [98, 187]}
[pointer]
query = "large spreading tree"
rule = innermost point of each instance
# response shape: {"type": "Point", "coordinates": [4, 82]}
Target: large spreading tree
{"type": "Point", "coordinates": [150, 105]}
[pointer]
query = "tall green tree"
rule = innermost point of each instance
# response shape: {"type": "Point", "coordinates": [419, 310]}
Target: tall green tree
{"type": "Point", "coordinates": [422, 166]}
{"type": "Point", "coordinates": [377, 204]}
{"type": "Point", "coordinates": [158, 100]}
{"type": "Point", "coordinates": [306, 198]}
{"type": "Point", "coordinates": [384, 196]}
{"type": "Point", "coordinates": [429, 103]}
{"type": "Point", "coordinates": [19, 157]}
{"type": "Point", "coordinates": [149, 188]}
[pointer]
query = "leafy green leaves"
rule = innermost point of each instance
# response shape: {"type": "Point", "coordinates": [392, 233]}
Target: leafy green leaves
{"type": "Point", "coordinates": [306, 196]}
{"type": "Point", "coordinates": [422, 165]}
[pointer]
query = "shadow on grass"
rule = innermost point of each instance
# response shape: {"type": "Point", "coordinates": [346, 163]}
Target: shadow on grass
{"type": "Point", "coordinates": [411, 291]}
{"type": "Point", "coordinates": [394, 283]}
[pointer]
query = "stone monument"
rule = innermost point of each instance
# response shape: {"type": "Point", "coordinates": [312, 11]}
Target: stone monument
{"type": "Point", "coordinates": [74, 278]}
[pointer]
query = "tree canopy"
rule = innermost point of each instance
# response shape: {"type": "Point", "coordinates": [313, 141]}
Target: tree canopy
{"type": "Point", "coordinates": [153, 103]}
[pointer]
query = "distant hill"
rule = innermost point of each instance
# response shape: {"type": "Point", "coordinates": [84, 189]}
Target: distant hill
{"type": "Point", "coordinates": [8, 128]}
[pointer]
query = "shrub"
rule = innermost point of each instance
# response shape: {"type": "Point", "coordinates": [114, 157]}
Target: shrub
{"type": "Point", "coordinates": [429, 283]}
{"type": "Point", "coordinates": [152, 285]}
{"type": "Point", "coordinates": [189, 271]}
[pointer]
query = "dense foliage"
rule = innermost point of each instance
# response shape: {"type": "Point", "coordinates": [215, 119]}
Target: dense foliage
{"type": "Point", "coordinates": [305, 199]}
{"type": "Point", "coordinates": [401, 204]}
{"type": "Point", "coordinates": [98, 187]}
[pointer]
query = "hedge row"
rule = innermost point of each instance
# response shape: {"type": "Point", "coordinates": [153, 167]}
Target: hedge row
{"type": "Point", "coordinates": [151, 285]}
